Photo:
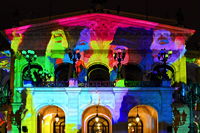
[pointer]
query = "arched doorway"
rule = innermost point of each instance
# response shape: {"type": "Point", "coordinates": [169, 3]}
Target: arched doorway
{"type": "Point", "coordinates": [97, 119]}
{"type": "Point", "coordinates": [51, 119]}
{"type": "Point", "coordinates": [143, 119]}
{"type": "Point", "coordinates": [98, 75]}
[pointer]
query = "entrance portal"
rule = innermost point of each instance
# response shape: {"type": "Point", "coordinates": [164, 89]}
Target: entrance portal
{"type": "Point", "coordinates": [51, 119]}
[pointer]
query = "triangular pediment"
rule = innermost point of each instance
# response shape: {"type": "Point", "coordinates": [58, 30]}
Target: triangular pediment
{"type": "Point", "coordinates": [101, 27]}
{"type": "Point", "coordinates": [98, 19]}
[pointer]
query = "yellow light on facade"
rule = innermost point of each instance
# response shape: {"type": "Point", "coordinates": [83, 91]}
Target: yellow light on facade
{"type": "Point", "coordinates": [129, 124]}
{"type": "Point", "coordinates": [98, 124]}
{"type": "Point", "coordinates": [56, 118]}
{"type": "Point", "coordinates": [97, 119]}
{"type": "Point", "coordinates": [137, 118]}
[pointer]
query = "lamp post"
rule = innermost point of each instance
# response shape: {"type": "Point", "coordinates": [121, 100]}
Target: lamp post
{"type": "Point", "coordinates": [74, 56]}
{"type": "Point", "coordinates": [191, 97]}
{"type": "Point", "coordinates": [30, 56]}
{"type": "Point", "coordinates": [163, 56]}
{"type": "Point", "coordinates": [119, 56]}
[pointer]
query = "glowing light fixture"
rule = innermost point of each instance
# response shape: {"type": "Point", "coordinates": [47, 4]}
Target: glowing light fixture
{"type": "Point", "coordinates": [96, 117]}
{"type": "Point", "coordinates": [57, 117]}
{"type": "Point", "coordinates": [137, 116]}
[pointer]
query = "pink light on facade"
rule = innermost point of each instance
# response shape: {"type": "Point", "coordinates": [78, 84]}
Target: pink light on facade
{"type": "Point", "coordinates": [18, 30]}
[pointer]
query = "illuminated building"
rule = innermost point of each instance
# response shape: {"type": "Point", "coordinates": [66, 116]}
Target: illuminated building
{"type": "Point", "coordinates": [96, 73]}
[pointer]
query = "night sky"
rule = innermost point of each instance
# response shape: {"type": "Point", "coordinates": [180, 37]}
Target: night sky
{"type": "Point", "coordinates": [27, 9]}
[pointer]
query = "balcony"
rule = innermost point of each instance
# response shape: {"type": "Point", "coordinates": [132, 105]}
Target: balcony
{"type": "Point", "coordinates": [103, 84]}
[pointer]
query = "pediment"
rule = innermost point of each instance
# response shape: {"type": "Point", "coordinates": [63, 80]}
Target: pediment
{"type": "Point", "coordinates": [94, 26]}
{"type": "Point", "coordinates": [100, 21]}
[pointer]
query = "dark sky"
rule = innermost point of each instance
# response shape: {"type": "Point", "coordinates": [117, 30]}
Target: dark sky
{"type": "Point", "coordinates": [39, 8]}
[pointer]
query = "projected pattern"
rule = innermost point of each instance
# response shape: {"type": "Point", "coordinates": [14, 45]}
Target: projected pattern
{"type": "Point", "coordinates": [96, 37]}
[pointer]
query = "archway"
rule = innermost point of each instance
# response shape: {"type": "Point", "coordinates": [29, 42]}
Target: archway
{"type": "Point", "coordinates": [51, 119]}
{"type": "Point", "coordinates": [97, 119]}
{"type": "Point", "coordinates": [98, 76]}
{"type": "Point", "coordinates": [98, 72]}
{"type": "Point", "coordinates": [143, 119]}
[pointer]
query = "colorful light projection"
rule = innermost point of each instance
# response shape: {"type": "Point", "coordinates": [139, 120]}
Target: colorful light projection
{"type": "Point", "coordinates": [97, 36]}
{"type": "Point", "coordinates": [106, 34]}
{"type": "Point", "coordinates": [5, 60]}
{"type": "Point", "coordinates": [163, 39]}
{"type": "Point", "coordinates": [57, 44]}
{"type": "Point", "coordinates": [16, 36]}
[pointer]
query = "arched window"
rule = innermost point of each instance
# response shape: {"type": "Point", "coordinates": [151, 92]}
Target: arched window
{"type": "Point", "coordinates": [135, 126]}
{"type": "Point", "coordinates": [98, 76]}
{"type": "Point", "coordinates": [99, 125]}
{"type": "Point", "coordinates": [98, 73]}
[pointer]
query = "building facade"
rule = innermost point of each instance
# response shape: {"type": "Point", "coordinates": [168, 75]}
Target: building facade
{"type": "Point", "coordinates": [96, 73]}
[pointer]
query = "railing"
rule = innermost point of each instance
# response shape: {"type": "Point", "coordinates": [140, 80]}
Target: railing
{"type": "Point", "coordinates": [100, 84]}
{"type": "Point", "coordinates": [143, 83]}
{"type": "Point", "coordinates": [53, 84]}
{"type": "Point", "coordinates": [80, 84]}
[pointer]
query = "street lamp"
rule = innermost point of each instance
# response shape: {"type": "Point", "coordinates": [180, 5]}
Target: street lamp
{"type": "Point", "coordinates": [74, 56]}
{"type": "Point", "coordinates": [30, 56]}
{"type": "Point", "coordinates": [119, 56]}
{"type": "Point", "coordinates": [163, 56]}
